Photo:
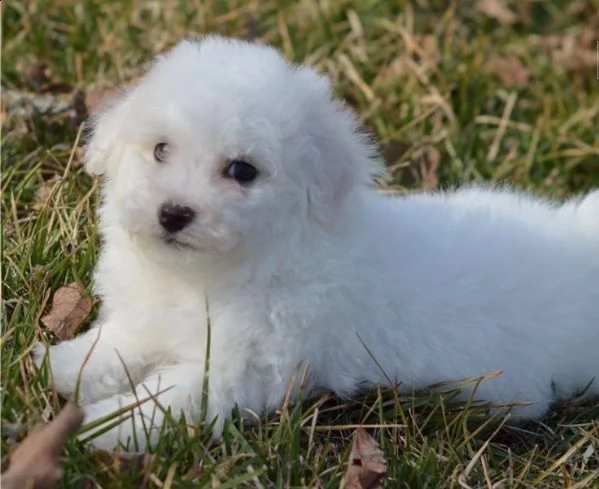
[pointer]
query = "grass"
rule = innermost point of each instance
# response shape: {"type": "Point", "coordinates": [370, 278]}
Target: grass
{"type": "Point", "coordinates": [453, 94]}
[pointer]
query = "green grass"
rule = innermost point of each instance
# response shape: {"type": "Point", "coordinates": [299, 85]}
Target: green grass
{"type": "Point", "coordinates": [420, 74]}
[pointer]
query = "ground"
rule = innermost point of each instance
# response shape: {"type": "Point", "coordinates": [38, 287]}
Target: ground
{"type": "Point", "coordinates": [492, 90]}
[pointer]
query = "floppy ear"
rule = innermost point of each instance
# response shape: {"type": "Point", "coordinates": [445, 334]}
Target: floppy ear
{"type": "Point", "coordinates": [344, 158]}
{"type": "Point", "coordinates": [104, 131]}
{"type": "Point", "coordinates": [340, 155]}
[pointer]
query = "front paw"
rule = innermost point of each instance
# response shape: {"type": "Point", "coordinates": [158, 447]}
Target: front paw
{"type": "Point", "coordinates": [61, 367]}
{"type": "Point", "coordinates": [38, 353]}
{"type": "Point", "coordinates": [83, 369]}
{"type": "Point", "coordinates": [135, 427]}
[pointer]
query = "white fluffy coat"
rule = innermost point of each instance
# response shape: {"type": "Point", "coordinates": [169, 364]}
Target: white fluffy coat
{"type": "Point", "coordinates": [309, 265]}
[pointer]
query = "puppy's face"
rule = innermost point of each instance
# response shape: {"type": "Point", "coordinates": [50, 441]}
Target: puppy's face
{"type": "Point", "coordinates": [224, 146]}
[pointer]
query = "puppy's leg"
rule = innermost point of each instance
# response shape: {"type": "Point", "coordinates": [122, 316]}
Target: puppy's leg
{"type": "Point", "coordinates": [176, 389]}
{"type": "Point", "coordinates": [100, 362]}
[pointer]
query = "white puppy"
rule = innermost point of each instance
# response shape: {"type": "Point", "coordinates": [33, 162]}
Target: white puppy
{"type": "Point", "coordinates": [234, 180]}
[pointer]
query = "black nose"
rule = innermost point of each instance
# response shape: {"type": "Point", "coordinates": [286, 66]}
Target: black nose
{"type": "Point", "coordinates": [173, 217]}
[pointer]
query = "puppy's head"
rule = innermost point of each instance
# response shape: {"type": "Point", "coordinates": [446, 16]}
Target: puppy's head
{"type": "Point", "coordinates": [224, 145]}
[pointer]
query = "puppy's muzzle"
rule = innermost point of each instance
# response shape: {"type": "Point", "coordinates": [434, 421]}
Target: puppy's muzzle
{"type": "Point", "coordinates": [174, 217]}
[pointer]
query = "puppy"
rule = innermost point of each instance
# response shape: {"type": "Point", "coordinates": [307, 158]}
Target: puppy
{"type": "Point", "coordinates": [239, 221]}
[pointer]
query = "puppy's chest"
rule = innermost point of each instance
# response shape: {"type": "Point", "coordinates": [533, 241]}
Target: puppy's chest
{"type": "Point", "coordinates": [252, 324]}
{"type": "Point", "coordinates": [274, 314]}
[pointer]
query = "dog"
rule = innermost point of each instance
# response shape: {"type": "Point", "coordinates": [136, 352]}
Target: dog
{"type": "Point", "coordinates": [244, 241]}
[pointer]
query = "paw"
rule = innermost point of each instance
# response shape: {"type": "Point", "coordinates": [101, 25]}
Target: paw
{"type": "Point", "coordinates": [66, 370]}
{"type": "Point", "coordinates": [38, 353]}
{"type": "Point", "coordinates": [63, 371]}
{"type": "Point", "coordinates": [95, 371]}
{"type": "Point", "coordinates": [137, 429]}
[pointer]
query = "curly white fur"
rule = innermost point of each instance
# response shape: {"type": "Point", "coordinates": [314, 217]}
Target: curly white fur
{"type": "Point", "coordinates": [309, 266]}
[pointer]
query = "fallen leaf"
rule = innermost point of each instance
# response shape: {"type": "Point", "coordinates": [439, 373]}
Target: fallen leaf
{"type": "Point", "coordinates": [69, 311]}
{"type": "Point", "coordinates": [496, 9]}
{"type": "Point", "coordinates": [367, 465]}
{"type": "Point", "coordinates": [35, 463]}
{"type": "Point", "coordinates": [510, 71]}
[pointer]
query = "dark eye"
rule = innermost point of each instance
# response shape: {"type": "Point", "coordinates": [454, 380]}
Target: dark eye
{"type": "Point", "coordinates": [160, 152]}
{"type": "Point", "coordinates": [241, 171]}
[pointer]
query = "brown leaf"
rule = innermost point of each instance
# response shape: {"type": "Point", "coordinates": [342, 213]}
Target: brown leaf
{"type": "Point", "coordinates": [35, 463]}
{"type": "Point", "coordinates": [367, 465]}
{"type": "Point", "coordinates": [510, 71]}
{"type": "Point", "coordinates": [69, 311]}
{"type": "Point", "coordinates": [496, 9]}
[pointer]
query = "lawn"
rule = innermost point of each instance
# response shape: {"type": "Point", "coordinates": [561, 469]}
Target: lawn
{"type": "Point", "coordinates": [487, 90]}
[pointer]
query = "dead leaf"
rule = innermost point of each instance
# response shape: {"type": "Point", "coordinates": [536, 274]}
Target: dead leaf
{"type": "Point", "coordinates": [35, 463]}
{"type": "Point", "coordinates": [367, 465]}
{"type": "Point", "coordinates": [510, 71]}
{"type": "Point", "coordinates": [69, 311]}
{"type": "Point", "coordinates": [496, 9]}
